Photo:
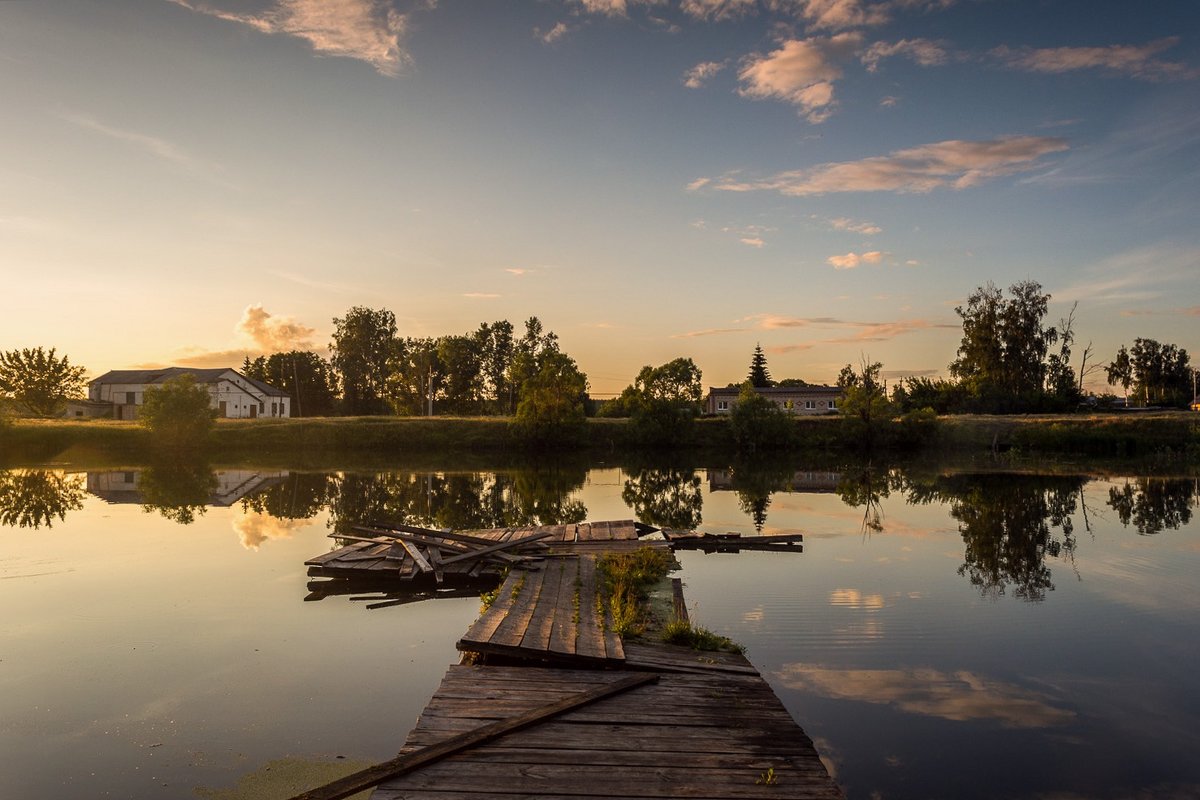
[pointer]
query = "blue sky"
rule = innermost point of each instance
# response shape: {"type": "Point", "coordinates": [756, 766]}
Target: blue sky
{"type": "Point", "coordinates": [188, 182]}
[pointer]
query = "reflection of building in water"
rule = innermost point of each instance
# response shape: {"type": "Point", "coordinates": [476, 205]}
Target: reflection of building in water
{"type": "Point", "coordinates": [801, 481]}
{"type": "Point", "coordinates": [232, 485]}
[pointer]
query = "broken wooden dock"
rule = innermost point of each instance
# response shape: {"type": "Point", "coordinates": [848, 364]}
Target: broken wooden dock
{"type": "Point", "coordinates": [584, 714]}
{"type": "Point", "coordinates": [426, 561]}
{"type": "Point", "coordinates": [692, 735]}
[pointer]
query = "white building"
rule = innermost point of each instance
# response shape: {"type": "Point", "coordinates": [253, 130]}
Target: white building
{"type": "Point", "coordinates": [232, 394]}
{"type": "Point", "coordinates": [804, 400]}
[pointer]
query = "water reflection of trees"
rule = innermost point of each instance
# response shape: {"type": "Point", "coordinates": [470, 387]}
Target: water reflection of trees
{"type": "Point", "coordinates": [540, 496]}
{"type": "Point", "coordinates": [33, 498]}
{"type": "Point", "coordinates": [756, 481]}
{"type": "Point", "coordinates": [300, 495]}
{"type": "Point", "coordinates": [866, 487]}
{"type": "Point", "coordinates": [668, 498]}
{"type": "Point", "coordinates": [1153, 505]}
{"type": "Point", "coordinates": [1009, 525]}
{"type": "Point", "coordinates": [178, 490]}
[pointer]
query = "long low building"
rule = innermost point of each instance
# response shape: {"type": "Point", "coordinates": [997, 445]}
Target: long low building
{"type": "Point", "coordinates": [233, 394]}
{"type": "Point", "coordinates": [792, 399]}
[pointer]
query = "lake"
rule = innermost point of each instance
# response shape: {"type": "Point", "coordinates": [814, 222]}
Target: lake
{"type": "Point", "coordinates": [946, 632]}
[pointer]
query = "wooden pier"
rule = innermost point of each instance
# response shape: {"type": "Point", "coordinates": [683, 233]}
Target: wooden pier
{"type": "Point", "coordinates": [550, 613]}
{"type": "Point", "coordinates": [571, 710]}
{"type": "Point", "coordinates": [686, 735]}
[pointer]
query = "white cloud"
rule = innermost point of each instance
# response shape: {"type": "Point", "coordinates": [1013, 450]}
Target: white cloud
{"type": "Point", "coordinates": [953, 164]}
{"type": "Point", "coordinates": [699, 183]}
{"type": "Point", "coordinates": [853, 226]}
{"type": "Point", "coordinates": [923, 51]}
{"type": "Point", "coordinates": [956, 696]}
{"type": "Point", "coordinates": [718, 9]}
{"type": "Point", "coordinates": [551, 36]}
{"type": "Point", "coordinates": [480, 295]}
{"type": "Point", "coordinates": [274, 334]}
{"type": "Point", "coordinates": [842, 14]}
{"type": "Point", "coordinates": [801, 72]}
{"type": "Point", "coordinates": [752, 241]}
{"type": "Point", "coordinates": [697, 76]}
{"type": "Point", "coordinates": [852, 260]}
{"type": "Point", "coordinates": [1135, 61]}
{"type": "Point", "coordinates": [367, 30]}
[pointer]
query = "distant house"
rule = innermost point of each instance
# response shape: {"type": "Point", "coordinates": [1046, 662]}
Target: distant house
{"type": "Point", "coordinates": [792, 399]}
{"type": "Point", "coordinates": [232, 394]}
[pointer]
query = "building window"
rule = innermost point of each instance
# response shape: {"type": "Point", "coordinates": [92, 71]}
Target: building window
{"type": "Point", "coordinates": [260, 408]}
{"type": "Point", "coordinates": [722, 405]}
{"type": "Point", "coordinates": [131, 398]}
{"type": "Point", "coordinates": [809, 404]}
{"type": "Point", "coordinates": [833, 404]}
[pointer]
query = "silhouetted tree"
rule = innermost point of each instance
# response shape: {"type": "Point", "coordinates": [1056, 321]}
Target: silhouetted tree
{"type": "Point", "coordinates": [364, 342]}
{"type": "Point", "coordinates": [1002, 357]}
{"type": "Point", "coordinates": [760, 376]}
{"type": "Point", "coordinates": [39, 381]}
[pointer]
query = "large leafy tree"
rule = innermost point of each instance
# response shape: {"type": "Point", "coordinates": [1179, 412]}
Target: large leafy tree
{"type": "Point", "coordinates": [551, 408]}
{"type": "Point", "coordinates": [495, 343]}
{"type": "Point", "coordinates": [39, 380]}
{"type": "Point", "coordinates": [1002, 357]}
{"type": "Point", "coordinates": [760, 376]}
{"type": "Point", "coordinates": [1160, 373]}
{"type": "Point", "coordinates": [864, 404]}
{"type": "Point", "coordinates": [308, 378]}
{"type": "Point", "coordinates": [758, 423]}
{"type": "Point", "coordinates": [416, 376]}
{"type": "Point", "coordinates": [529, 353]}
{"type": "Point", "coordinates": [364, 342]}
{"type": "Point", "coordinates": [666, 399]}
{"type": "Point", "coordinates": [178, 412]}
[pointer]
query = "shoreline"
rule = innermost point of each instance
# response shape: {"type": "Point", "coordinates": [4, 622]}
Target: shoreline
{"type": "Point", "coordinates": [321, 440]}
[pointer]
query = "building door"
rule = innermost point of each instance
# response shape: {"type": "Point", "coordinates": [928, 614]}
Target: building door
{"type": "Point", "coordinates": [221, 412]}
{"type": "Point", "coordinates": [253, 411]}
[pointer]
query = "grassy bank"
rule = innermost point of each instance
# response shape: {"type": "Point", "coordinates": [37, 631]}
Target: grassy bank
{"type": "Point", "coordinates": [317, 440]}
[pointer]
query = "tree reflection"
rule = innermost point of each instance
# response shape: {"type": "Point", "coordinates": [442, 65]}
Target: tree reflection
{"type": "Point", "coordinates": [460, 501]}
{"type": "Point", "coordinates": [866, 487]}
{"type": "Point", "coordinates": [756, 481]}
{"type": "Point", "coordinates": [667, 498]}
{"type": "Point", "coordinates": [179, 490]}
{"type": "Point", "coordinates": [1009, 525]}
{"type": "Point", "coordinates": [300, 495]}
{"type": "Point", "coordinates": [33, 498]}
{"type": "Point", "coordinates": [1153, 505]}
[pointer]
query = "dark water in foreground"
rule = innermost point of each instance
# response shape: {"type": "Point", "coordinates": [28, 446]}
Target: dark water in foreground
{"type": "Point", "coordinates": [949, 634]}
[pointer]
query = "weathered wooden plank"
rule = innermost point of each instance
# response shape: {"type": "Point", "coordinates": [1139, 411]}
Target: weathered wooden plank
{"type": "Point", "coordinates": [537, 634]}
{"type": "Point", "coordinates": [648, 738]}
{"type": "Point", "coordinates": [589, 781]}
{"type": "Point", "coordinates": [372, 776]}
{"type": "Point", "coordinates": [511, 631]}
{"type": "Point", "coordinates": [485, 626]}
{"type": "Point", "coordinates": [590, 636]}
{"type": "Point", "coordinates": [510, 543]}
{"type": "Point", "coordinates": [678, 606]}
{"type": "Point", "coordinates": [563, 629]}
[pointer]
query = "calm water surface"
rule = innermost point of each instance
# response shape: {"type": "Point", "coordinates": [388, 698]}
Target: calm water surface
{"type": "Point", "coordinates": [943, 634]}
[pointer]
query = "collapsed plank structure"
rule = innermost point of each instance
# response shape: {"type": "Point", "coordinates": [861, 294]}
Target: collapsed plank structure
{"type": "Point", "coordinates": [550, 702]}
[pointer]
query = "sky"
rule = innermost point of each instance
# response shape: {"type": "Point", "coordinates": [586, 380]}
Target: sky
{"type": "Point", "coordinates": [189, 182]}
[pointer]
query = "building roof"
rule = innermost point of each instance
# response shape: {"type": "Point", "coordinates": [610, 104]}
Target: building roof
{"type": "Point", "coordinates": [154, 376]}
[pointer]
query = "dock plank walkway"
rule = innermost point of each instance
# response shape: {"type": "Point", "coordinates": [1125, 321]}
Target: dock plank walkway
{"type": "Point", "coordinates": [549, 613]}
{"type": "Point", "coordinates": [688, 735]}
